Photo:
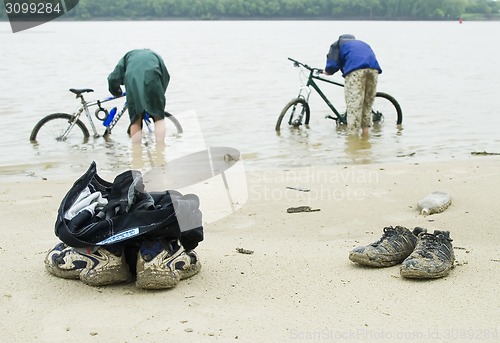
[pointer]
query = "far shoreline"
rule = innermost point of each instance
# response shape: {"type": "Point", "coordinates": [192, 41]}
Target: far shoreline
{"type": "Point", "coordinates": [215, 19]}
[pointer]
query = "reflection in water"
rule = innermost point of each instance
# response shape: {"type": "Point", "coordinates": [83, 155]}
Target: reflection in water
{"type": "Point", "coordinates": [147, 157]}
{"type": "Point", "coordinates": [376, 130]}
{"type": "Point", "coordinates": [358, 149]}
{"type": "Point", "coordinates": [400, 129]}
{"type": "Point", "coordinates": [151, 161]}
{"type": "Point", "coordinates": [137, 161]}
{"type": "Point", "coordinates": [296, 133]}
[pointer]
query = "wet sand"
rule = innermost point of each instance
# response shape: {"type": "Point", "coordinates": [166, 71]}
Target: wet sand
{"type": "Point", "coordinates": [297, 285]}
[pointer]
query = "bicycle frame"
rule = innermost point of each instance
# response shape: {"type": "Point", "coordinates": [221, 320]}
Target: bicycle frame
{"type": "Point", "coordinates": [311, 83]}
{"type": "Point", "coordinates": [85, 109]}
{"type": "Point", "coordinates": [299, 108]}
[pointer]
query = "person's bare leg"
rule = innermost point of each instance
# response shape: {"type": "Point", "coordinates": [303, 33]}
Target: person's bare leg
{"type": "Point", "coordinates": [158, 175]}
{"type": "Point", "coordinates": [136, 132]}
{"type": "Point", "coordinates": [160, 132]}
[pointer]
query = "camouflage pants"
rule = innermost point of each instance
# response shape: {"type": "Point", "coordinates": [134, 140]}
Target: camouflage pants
{"type": "Point", "coordinates": [360, 90]}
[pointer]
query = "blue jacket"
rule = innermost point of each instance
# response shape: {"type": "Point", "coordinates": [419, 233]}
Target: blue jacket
{"type": "Point", "coordinates": [348, 54]}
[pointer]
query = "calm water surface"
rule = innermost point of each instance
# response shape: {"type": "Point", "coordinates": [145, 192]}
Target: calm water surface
{"type": "Point", "coordinates": [230, 80]}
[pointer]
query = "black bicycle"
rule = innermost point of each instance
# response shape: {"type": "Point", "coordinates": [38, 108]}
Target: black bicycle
{"type": "Point", "coordinates": [298, 111]}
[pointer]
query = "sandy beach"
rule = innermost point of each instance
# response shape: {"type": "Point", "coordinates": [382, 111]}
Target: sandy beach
{"type": "Point", "coordinates": [297, 286]}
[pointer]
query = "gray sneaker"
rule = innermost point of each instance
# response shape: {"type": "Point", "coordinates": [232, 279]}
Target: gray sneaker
{"type": "Point", "coordinates": [163, 264]}
{"type": "Point", "coordinates": [396, 244]}
{"type": "Point", "coordinates": [95, 267]}
{"type": "Point", "coordinates": [432, 258]}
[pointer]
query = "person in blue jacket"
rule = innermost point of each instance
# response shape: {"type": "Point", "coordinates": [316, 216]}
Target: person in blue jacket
{"type": "Point", "coordinates": [360, 68]}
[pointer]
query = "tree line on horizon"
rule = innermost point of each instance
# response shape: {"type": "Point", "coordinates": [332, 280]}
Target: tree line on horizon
{"type": "Point", "coordinates": [281, 9]}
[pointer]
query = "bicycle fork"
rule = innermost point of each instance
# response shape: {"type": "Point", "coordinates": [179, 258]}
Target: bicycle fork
{"type": "Point", "coordinates": [298, 120]}
{"type": "Point", "coordinates": [71, 125]}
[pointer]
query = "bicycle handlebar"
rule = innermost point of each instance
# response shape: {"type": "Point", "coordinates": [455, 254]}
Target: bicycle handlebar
{"type": "Point", "coordinates": [297, 64]}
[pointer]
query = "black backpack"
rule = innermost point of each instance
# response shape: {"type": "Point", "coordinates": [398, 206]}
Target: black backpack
{"type": "Point", "coordinates": [130, 214]}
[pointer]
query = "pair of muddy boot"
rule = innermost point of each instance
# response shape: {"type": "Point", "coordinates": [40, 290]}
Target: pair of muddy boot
{"type": "Point", "coordinates": [422, 255]}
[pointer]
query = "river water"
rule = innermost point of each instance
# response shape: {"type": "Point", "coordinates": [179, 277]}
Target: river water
{"type": "Point", "coordinates": [230, 80]}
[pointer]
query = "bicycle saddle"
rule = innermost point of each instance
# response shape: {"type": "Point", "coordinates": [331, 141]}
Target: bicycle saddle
{"type": "Point", "coordinates": [80, 91]}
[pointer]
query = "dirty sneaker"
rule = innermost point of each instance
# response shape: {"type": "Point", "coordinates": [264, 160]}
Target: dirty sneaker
{"type": "Point", "coordinates": [163, 264]}
{"type": "Point", "coordinates": [95, 267]}
{"type": "Point", "coordinates": [396, 244]}
{"type": "Point", "coordinates": [432, 258]}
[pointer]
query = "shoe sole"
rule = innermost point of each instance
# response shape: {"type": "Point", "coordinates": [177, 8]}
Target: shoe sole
{"type": "Point", "coordinates": [65, 274]}
{"type": "Point", "coordinates": [191, 271]}
{"type": "Point", "coordinates": [109, 276]}
{"type": "Point", "coordinates": [420, 274]}
{"type": "Point", "coordinates": [155, 279]}
{"type": "Point", "coordinates": [366, 261]}
{"type": "Point", "coordinates": [93, 278]}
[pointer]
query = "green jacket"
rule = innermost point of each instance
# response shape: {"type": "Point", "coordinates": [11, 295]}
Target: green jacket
{"type": "Point", "coordinates": [146, 78]}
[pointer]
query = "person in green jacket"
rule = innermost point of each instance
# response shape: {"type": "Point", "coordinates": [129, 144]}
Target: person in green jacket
{"type": "Point", "coordinates": [145, 77]}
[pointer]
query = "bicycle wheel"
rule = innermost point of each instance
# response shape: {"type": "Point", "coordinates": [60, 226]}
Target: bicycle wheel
{"type": "Point", "coordinates": [174, 121]}
{"type": "Point", "coordinates": [51, 127]}
{"type": "Point", "coordinates": [385, 107]}
{"type": "Point", "coordinates": [297, 111]}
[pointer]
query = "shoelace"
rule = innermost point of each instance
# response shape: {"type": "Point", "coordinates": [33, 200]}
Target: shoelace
{"type": "Point", "coordinates": [388, 232]}
{"type": "Point", "coordinates": [433, 243]}
{"type": "Point", "coordinates": [430, 240]}
{"type": "Point", "coordinates": [434, 239]}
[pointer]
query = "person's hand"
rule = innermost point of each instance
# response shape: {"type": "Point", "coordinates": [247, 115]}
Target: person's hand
{"type": "Point", "coordinates": [117, 93]}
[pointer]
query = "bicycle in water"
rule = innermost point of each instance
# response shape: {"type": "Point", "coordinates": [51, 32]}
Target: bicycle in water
{"type": "Point", "coordinates": [297, 112]}
{"type": "Point", "coordinates": [64, 127]}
